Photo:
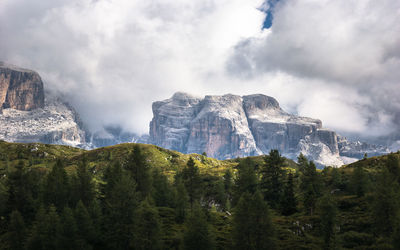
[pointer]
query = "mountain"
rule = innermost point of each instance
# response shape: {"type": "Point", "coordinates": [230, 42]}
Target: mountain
{"type": "Point", "coordinates": [20, 89]}
{"type": "Point", "coordinates": [30, 116]}
{"type": "Point", "coordinates": [224, 127]}
{"type": "Point", "coordinates": [231, 126]}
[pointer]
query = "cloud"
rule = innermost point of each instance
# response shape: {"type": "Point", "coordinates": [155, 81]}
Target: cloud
{"type": "Point", "coordinates": [112, 58]}
{"type": "Point", "coordinates": [333, 60]}
{"type": "Point", "coordinates": [350, 47]}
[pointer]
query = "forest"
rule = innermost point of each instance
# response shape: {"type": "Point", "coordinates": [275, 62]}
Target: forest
{"type": "Point", "coordinates": [137, 196]}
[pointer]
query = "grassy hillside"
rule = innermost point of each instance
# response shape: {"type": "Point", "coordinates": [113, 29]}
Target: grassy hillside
{"type": "Point", "coordinates": [355, 219]}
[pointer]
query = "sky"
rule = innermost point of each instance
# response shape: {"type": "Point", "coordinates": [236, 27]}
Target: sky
{"type": "Point", "coordinates": [337, 61]}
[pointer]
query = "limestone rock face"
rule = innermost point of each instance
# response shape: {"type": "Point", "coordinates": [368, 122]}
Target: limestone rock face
{"type": "Point", "coordinates": [232, 126]}
{"type": "Point", "coordinates": [56, 123]}
{"type": "Point", "coordinates": [221, 129]}
{"type": "Point", "coordinates": [20, 89]}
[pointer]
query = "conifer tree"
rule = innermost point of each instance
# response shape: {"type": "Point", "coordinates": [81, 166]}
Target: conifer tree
{"type": "Point", "coordinates": [147, 234]}
{"type": "Point", "coordinates": [85, 226]}
{"type": "Point", "coordinates": [359, 181]}
{"type": "Point", "coordinates": [192, 181]}
{"type": "Point", "coordinates": [246, 180]}
{"type": "Point", "coordinates": [46, 230]}
{"type": "Point", "coordinates": [393, 166]}
{"type": "Point", "coordinates": [16, 231]}
{"type": "Point", "coordinates": [289, 202]}
{"type": "Point", "coordinates": [56, 186]}
{"type": "Point", "coordinates": [120, 205]}
{"type": "Point", "coordinates": [328, 214]}
{"type": "Point", "coordinates": [310, 184]}
{"type": "Point", "coordinates": [83, 184]}
{"type": "Point", "coordinates": [181, 200]}
{"type": "Point", "coordinates": [252, 226]}
{"type": "Point", "coordinates": [386, 205]}
{"type": "Point", "coordinates": [198, 233]}
{"type": "Point", "coordinates": [68, 230]}
{"type": "Point", "coordinates": [140, 172]}
{"type": "Point", "coordinates": [162, 191]}
{"type": "Point", "coordinates": [21, 186]}
{"type": "Point", "coordinates": [272, 178]}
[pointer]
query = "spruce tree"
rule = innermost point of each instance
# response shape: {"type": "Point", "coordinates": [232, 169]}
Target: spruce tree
{"type": "Point", "coordinates": [252, 226]}
{"type": "Point", "coordinates": [46, 230]}
{"type": "Point", "coordinates": [56, 186]}
{"type": "Point", "coordinates": [310, 184]}
{"type": "Point", "coordinates": [147, 234]}
{"type": "Point", "coordinates": [246, 180]}
{"type": "Point", "coordinates": [192, 181]}
{"type": "Point", "coordinates": [162, 191]}
{"type": "Point", "coordinates": [198, 233]}
{"type": "Point", "coordinates": [181, 200]}
{"type": "Point", "coordinates": [83, 184]}
{"type": "Point", "coordinates": [140, 170]}
{"type": "Point", "coordinates": [16, 232]}
{"type": "Point", "coordinates": [272, 177]}
{"type": "Point", "coordinates": [86, 231]}
{"type": "Point", "coordinates": [393, 166]}
{"type": "Point", "coordinates": [328, 214]}
{"type": "Point", "coordinates": [120, 205]}
{"type": "Point", "coordinates": [359, 181]}
{"type": "Point", "coordinates": [386, 205]}
{"type": "Point", "coordinates": [21, 186]}
{"type": "Point", "coordinates": [69, 231]}
{"type": "Point", "coordinates": [289, 202]}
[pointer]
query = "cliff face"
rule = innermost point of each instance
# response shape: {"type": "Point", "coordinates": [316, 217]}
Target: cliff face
{"type": "Point", "coordinates": [25, 116]}
{"type": "Point", "coordinates": [20, 89]}
{"type": "Point", "coordinates": [232, 126]}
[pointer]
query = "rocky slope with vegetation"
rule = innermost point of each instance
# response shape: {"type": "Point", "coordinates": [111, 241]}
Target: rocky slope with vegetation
{"type": "Point", "coordinates": [138, 196]}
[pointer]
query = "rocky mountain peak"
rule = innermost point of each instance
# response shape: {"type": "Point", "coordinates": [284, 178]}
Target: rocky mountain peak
{"type": "Point", "coordinates": [231, 126]}
{"type": "Point", "coordinates": [20, 89]}
{"type": "Point", "coordinates": [261, 102]}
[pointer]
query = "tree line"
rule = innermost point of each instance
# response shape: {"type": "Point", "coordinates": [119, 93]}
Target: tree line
{"type": "Point", "coordinates": [134, 206]}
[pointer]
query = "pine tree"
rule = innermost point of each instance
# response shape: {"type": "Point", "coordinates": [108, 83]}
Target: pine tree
{"type": "Point", "coordinates": [328, 214]}
{"type": "Point", "coordinates": [162, 191]}
{"type": "Point", "coordinates": [83, 184]}
{"type": "Point", "coordinates": [386, 205]}
{"type": "Point", "coordinates": [359, 181]}
{"type": "Point", "coordinates": [191, 180]}
{"type": "Point", "coordinates": [393, 166]}
{"type": "Point", "coordinates": [272, 178]}
{"type": "Point", "coordinates": [289, 202]}
{"type": "Point", "coordinates": [21, 187]}
{"type": "Point", "coordinates": [246, 180]}
{"type": "Point", "coordinates": [85, 226]}
{"type": "Point", "coordinates": [181, 201]}
{"type": "Point", "coordinates": [68, 230]}
{"type": "Point", "coordinates": [148, 228]}
{"type": "Point", "coordinates": [198, 233]}
{"type": "Point", "coordinates": [56, 186]}
{"type": "Point", "coordinates": [140, 172]}
{"type": "Point", "coordinates": [252, 226]}
{"type": "Point", "coordinates": [120, 205]}
{"type": "Point", "coordinates": [16, 231]}
{"type": "Point", "coordinates": [310, 184]}
{"type": "Point", "coordinates": [46, 230]}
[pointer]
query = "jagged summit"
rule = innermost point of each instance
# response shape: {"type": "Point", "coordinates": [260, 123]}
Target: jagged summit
{"type": "Point", "coordinates": [230, 126]}
{"type": "Point", "coordinates": [20, 89]}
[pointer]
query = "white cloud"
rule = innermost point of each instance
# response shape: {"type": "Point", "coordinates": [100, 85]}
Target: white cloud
{"type": "Point", "coordinates": [333, 60]}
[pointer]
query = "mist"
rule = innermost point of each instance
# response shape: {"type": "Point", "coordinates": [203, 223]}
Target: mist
{"type": "Point", "coordinates": [336, 61]}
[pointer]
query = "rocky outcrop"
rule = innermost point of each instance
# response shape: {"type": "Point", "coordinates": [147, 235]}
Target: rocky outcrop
{"type": "Point", "coordinates": [26, 116]}
{"type": "Point", "coordinates": [55, 123]}
{"type": "Point", "coordinates": [232, 126]}
{"type": "Point", "coordinates": [20, 89]}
